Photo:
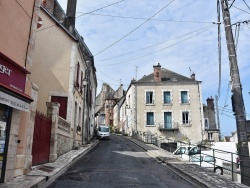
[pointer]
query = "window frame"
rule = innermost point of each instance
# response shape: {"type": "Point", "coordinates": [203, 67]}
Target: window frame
{"type": "Point", "coordinates": [187, 101]}
{"type": "Point", "coordinates": [152, 98]}
{"type": "Point", "coordinates": [170, 102]}
{"type": "Point", "coordinates": [146, 119]}
{"type": "Point", "coordinates": [185, 121]}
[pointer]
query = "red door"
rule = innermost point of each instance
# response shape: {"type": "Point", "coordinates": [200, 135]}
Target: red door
{"type": "Point", "coordinates": [41, 140]}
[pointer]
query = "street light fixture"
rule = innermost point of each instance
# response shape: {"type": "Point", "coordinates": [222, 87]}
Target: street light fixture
{"type": "Point", "coordinates": [84, 84]}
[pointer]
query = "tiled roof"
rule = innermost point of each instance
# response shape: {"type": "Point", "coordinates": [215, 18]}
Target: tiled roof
{"type": "Point", "coordinates": [167, 76]}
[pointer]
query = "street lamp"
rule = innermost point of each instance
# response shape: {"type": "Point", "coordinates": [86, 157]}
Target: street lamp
{"type": "Point", "coordinates": [84, 84]}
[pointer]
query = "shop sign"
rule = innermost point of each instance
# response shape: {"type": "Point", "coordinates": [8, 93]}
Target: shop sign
{"type": "Point", "coordinates": [12, 74]}
{"type": "Point", "coordinates": [13, 102]}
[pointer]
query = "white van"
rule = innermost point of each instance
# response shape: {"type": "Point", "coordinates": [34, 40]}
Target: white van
{"type": "Point", "coordinates": [103, 132]}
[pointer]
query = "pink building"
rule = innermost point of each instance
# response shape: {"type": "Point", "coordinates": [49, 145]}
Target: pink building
{"type": "Point", "coordinates": [17, 37]}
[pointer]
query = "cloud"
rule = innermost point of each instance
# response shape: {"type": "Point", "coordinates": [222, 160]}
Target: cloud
{"type": "Point", "coordinates": [199, 52]}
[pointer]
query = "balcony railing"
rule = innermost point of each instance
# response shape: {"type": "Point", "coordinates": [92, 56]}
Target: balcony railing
{"type": "Point", "coordinates": [172, 127]}
{"type": "Point", "coordinates": [63, 125]}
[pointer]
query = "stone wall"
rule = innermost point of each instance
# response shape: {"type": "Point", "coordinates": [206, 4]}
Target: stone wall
{"type": "Point", "coordinates": [64, 144]}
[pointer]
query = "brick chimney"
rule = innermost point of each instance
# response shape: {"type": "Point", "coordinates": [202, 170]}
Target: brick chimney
{"type": "Point", "coordinates": [210, 103]}
{"type": "Point", "coordinates": [157, 73]}
{"type": "Point", "coordinates": [193, 76]}
{"type": "Point", "coordinates": [71, 11]}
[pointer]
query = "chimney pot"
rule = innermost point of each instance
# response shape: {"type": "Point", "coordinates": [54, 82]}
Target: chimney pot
{"type": "Point", "coordinates": [157, 73]}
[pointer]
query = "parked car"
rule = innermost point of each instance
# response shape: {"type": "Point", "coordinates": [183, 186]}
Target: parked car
{"type": "Point", "coordinates": [208, 161]}
{"type": "Point", "coordinates": [103, 132]}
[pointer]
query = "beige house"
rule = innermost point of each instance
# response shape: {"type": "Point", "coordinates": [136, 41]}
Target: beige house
{"type": "Point", "coordinates": [64, 72]}
{"type": "Point", "coordinates": [17, 42]}
{"type": "Point", "coordinates": [211, 132]}
{"type": "Point", "coordinates": [167, 104]}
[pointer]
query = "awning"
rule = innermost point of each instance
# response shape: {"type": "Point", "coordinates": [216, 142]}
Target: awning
{"type": "Point", "coordinates": [15, 100]}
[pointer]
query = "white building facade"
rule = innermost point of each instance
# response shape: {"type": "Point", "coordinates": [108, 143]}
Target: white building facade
{"type": "Point", "coordinates": [166, 104]}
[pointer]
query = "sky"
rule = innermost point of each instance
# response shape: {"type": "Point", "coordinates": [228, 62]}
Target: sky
{"type": "Point", "coordinates": [128, 37]}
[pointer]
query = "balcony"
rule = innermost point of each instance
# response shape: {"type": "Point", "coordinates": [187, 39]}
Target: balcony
{"type": "Point", "coordinates": [173, 127]}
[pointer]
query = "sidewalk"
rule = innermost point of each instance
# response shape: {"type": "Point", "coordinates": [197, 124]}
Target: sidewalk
{"type": "Point", "coordinates": [194, 174]}
{"type": "Point", "coordinates": [201, 177]}
{"type": "Point", "coordinates": [39, 175]}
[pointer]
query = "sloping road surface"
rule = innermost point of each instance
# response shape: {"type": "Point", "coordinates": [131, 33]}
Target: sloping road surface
{"type": "Point", "coordinates": [118, 163]}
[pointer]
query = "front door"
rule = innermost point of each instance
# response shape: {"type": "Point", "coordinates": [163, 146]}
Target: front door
{"type": "Point", "coordinates": [167, 120]}
{"type": "Point", "coordinates": [5, 121]}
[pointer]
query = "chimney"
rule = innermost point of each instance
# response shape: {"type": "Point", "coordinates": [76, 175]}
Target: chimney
{"type": "Point", "coordinates": [210, 103]}
{"type": "Point", "coordinates": [71, 11]}
{"type": "Point", "coordinates": [157, 73]}
{"type": "Point", "coordinates": [49, 5]}
{"type": "Point", "coordinates": [193, 76]}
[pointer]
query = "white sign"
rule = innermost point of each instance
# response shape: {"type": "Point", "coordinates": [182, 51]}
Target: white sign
{"type": "Point", "coordinates": [13, 102]}
{"type": "Point", "coordinates": [5, 70]}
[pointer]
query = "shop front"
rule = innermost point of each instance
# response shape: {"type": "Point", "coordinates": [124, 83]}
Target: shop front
{"type": "Point", "coordinates": [12, 98]}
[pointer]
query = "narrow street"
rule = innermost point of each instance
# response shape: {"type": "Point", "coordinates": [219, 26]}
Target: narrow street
{"type": "Point", "coordinates": [118, 163]}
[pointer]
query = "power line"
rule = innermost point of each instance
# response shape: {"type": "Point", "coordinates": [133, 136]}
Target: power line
{"type": "Point", "coordinates": [136, 18]}
{"type": "Point", "coordinates": [99, 8]}
{"type": "Point", "coordinates": [155, 51]}
{"type": "Point", "coordinates": [133, 29]}
{"type": "Point", "coordinates": [112, 84]}
{"type": "Point", "coordinates": [107, 75]}
{"type": "Point", "coordinates": [80, 15]}
{"type": "Point", "coordinates": [246, 4]}
{"type": "Point", "coordinates": [152, 45]}
{"type": "Point", "coordinates": [241, 9]}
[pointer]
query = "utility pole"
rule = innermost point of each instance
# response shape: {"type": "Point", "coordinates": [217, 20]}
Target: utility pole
{"type": "Point", "coordinates": [237, 99]}
{"type": "Point", "coordinates": [218, 118]}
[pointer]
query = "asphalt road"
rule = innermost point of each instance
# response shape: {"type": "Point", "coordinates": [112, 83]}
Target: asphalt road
{"type": "Point", "coordinates": [118, 163]}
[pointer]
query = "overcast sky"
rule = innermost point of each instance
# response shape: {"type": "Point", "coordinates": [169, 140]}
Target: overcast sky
{"type": "Point", "coordinates": [128, 37]}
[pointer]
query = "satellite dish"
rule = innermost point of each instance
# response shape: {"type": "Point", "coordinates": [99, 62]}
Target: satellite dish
{"type": "Point", "coordinates": [39, 22]}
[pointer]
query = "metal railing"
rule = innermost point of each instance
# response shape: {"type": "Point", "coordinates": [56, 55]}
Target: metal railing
{"type": "Point", "coordinates": [230, 165]}
{"type": "Point", "coordinates": [174, 125]}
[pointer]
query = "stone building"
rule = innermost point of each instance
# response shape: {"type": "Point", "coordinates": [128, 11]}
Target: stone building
{"type": "Point", "coordinates": [105, 103]}
{"type": "Point", "coordinates": [167, 104]}
{"type": "Point", "coordinates": [17, 94]}
{"type": "Point", "coordinates": [211, 129]}
{"type": "Point", "coordinates": [64, 72]}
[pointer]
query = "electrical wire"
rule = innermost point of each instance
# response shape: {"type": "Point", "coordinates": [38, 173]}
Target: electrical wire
{"type": "Point", "coordinates": [107, 75]}
{"type": "Point", "coordinates": [163, 20]}
{"type": "Point", "coordinates": [246, 4]}
{"type": "Point", "coordinates": [80, 15]}
{"type": "Point", "coordinates": [100, 8]}
{"type": "Point", "coordinates": [247, 26]}
{"type": "Point", "coordinates": [110, 83]}
{"type": "Point", "coordinates": [231, 4]}
{"type": "Point", "coordinates": [228, 87]}
{"type": "Point", "coordinates": [134, 29]}
{"type": "Point", "coordinates": [241, 9]}
{"type": "Point", "coordinates": [155, 51]}
{"type": "Point", "coordinates": [151, 45]}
